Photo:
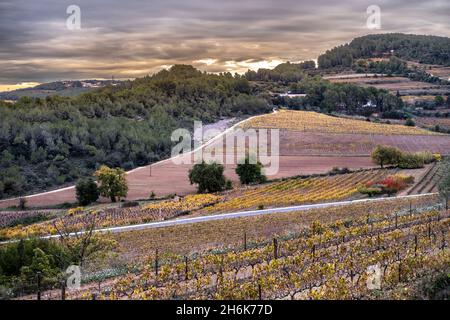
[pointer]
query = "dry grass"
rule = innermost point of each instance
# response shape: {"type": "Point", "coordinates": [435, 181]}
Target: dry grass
{"type": "Point", "coordinates": [316, 122]}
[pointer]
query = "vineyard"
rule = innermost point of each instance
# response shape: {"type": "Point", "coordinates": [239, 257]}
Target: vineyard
{"type": "Point", "coordinates": [298, 191]}
{"type": "Point", "coordinates": [316, 122]}
{"type": "Point", "coordinates": [324, 261]}
{"type": "Point", "coordinates": [75, 219]}
{"type": "Point", "coordinates": [430, 181]}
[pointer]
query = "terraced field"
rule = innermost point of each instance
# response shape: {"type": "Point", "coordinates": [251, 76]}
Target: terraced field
{"type": "Point", "coordinates": [297, 191]}
{"type": "Point", "coordinates": [430, 181]}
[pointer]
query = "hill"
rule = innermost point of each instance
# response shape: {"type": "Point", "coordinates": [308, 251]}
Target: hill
{"type": "Point", "coordinates": [62, 88]}
{"type": "Point", "coordinates": [56, 140]}
{"type": "Point", "coordinates": [420, 48]}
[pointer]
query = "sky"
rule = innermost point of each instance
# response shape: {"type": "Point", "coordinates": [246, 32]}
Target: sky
{"type": "Point", "coordinates": [129, 39]}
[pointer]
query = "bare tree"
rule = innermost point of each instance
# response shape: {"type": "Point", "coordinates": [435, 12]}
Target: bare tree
{"type": "Point", "coordinates": [82, 240]}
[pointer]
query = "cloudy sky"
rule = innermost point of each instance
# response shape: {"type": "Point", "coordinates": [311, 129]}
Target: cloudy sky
{"type": "Point", "coordinates": [128, 39]}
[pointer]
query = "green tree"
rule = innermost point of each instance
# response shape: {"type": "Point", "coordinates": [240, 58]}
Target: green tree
{"type": "Point", "coordinates": [250, 171]}
{"type": "Point", "coordinates": [386, 155]}
{"type": "Point", "coordinates": [410, 122]}
{"type": "Point", "coordinates": [439, 101]}
{"type": "Point", "coordinates": [113, 183]}
{"type": "Point", "coordinates": [87, 191]}
{"type": "Point", "coordinates": [209, 177]}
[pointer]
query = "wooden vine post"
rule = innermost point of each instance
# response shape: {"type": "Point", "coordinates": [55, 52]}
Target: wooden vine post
{"type": "Point", "coordinates": [186, 270]}
{"type": "Point", "coordinates": [275, 248]}
{"type": "Point", "coordinates": [39, 278]}
{"type": "Point", "coordinates": [156, 262]}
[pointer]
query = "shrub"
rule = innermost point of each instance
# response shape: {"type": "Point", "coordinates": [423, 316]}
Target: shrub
{"type": "Point", "coordinates": [410, 122]}
{"type": "Point", "coordinates": [250, 171]}
{"type": "Point", "coordinates": [370, 191]}
{"type": "Point", "coordinates": [437, 157]}
{"type": "Point", "coordinates": [75, 211]}
{"type": "Point", "coordinates": [86, 191]}
{"type": "Point", "coordinates": [411, 161]}
{"type": "Point", "coordinates": [337, 170]}
{"type": "Point", "coordinates": [389, 185]}
{"type": "Point", "coordinates": [129, 204]}
{"type": "Point", "coordinates": [229, 185]}
{"type": "Point", "coordinates": [426, 156]}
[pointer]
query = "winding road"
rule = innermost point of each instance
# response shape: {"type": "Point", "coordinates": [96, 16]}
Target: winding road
{"type": "Point", "coordinates": [233, 215]}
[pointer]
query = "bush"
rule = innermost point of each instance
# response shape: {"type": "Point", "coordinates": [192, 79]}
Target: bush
{"type": "Point", "coordinates": [250, 171]}
{"type": "Point", "coordinates": [87, 191]}
{"type": "Point", "coordinates": [411, 161]}
{"type": "Point", "coordinates": [410, 122]}
{"type": "Point", "coordinates": [337, 170]}
{"type": "Point", "coordinates": [129, 204]}
{"type": "Point", "coordinates": [75, 211]}
{"type": "Point", "coordinates": [229, 185]}
{"type": "Point", "coordinates": [389, 185]}
{"type": "Point", "coordinates": [437, 157]}
{"type": "Point", "coordinates": [370, 191]}
{"type": "Point", "coordinates": [426, 156]}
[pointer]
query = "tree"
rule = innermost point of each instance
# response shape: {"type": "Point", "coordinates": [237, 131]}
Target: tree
{"type": "Point", "coordinates": [209, 177]}
{"type": "Point", "coordinates": [113, 183]}
{"type": "Point", "coordinates": [250, 171]}
{"type": "Point", "coordinates": [87, 191]}
{"type": "Point", "coordinates": [82, 242]}
{"type": "Point", "coordinates": [439, 101]}
{"type": "Point", "coordinates": [410, 122]}
{"type": "Point", "coordinates": [386, 155]}
{"type": "Point", "coordinates": [444, 185]}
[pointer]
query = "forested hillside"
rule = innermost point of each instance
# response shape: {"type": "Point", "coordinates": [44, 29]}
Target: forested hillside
{"type": "Point", "coordinates": [423, 49]}
{"type": "Point", "coordinates": [55, 140]}
{"type": "Point", "coordinates": [62, 88]}
{"type": "Point", "coordinates": [284, 72]}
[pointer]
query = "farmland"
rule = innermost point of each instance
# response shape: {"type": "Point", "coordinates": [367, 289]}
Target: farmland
{"type": "Point", "coordinates": [432, 122]}
{"type": "Point", "coordinates": [313, 144]}
{"type": "Point", "coordinates": [310, 143]}
{"type": "Point", "coordinates": [75, 219]}
{"type": "Point", "coordinates": [319, 123]}
{"type": "Point", "coordinates": [298, 191]}
{"type": "Point", "coordinates": [344, 236]}
{"type": "Point", "coordinates": [389, 83]}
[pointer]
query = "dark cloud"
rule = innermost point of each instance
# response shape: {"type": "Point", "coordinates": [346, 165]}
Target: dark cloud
{"type": "Point", "coordinates": [132, 38]}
